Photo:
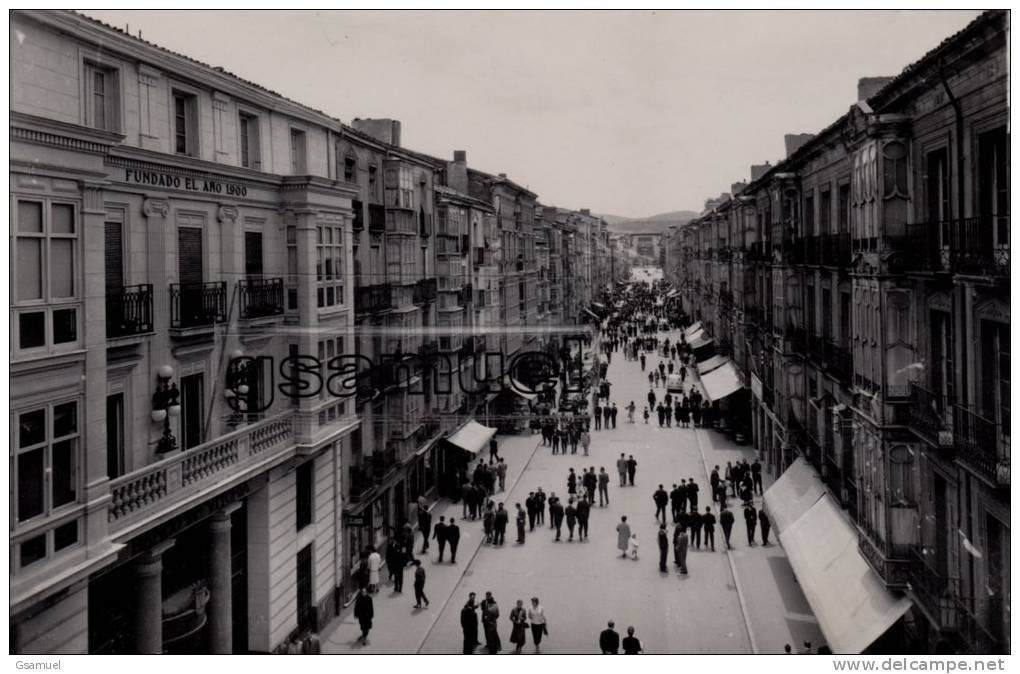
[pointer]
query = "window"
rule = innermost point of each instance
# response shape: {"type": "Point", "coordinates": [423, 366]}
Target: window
{"type": "Point", "coordinates": [292, 269]}
{"type": "Point", "coordinates": [373, 183]}
{"type": "Point", "coordinates": [995, 373]}
{"type": "Point", "coordinates": [185, 123]}
{"type": "Point", "coordinates": [936, 182]}
{"type": "Point", "coordinates": [102, 99]}
{"type": "Point", "coordinates": [328, 350]}
{"type": "Point", "coordinates": [809, 215]}
{"type": "Point", "coordinates": [46, 459]}
{"type": "Point", "coordinates": [248, 128]}
{"type": "Point", "coordinates": [406, 189]}
{"type": "Point", "coordinates": [297, 152]}
{"type": "Point", "coordinates": [993, 186]}
{"type": "Point", "coordinates": [329, 267]}
{"type": "Point", "coordinates": [844, 208]}
{"type": "Point", "coordinates": [942, 372]}
{"type": "Point", "coordinates": [350, 169]}
{"type": "Point", "coordinates": [824, 210]}
{"type": "Point", "coordinates": [44, 262]}
{"type": "Point", "coordinates": [901, 475]}
{"type": "Point", "coordinates": [115, 435]}
{"type": "Point", "coordinates": [303, 494]}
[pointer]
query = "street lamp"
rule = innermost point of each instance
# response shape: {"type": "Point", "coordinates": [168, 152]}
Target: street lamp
{"type": "Point", "coordinates": [165, 406]}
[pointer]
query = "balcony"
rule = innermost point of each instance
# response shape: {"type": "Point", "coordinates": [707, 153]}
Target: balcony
{"type": "Point", "coordinates": [359, 484]}
{"type": "Point", "coordinates": [976, 246]}
{"type": "Point", "coordinates": [129, 311]}
{"type": "Point", "coordinates": [159, 488]}
{"type": "Point", "coordinates": [815, 348]}
{"type": "Point", "coordinates": [938, 595]}
{"type": "Point", "coordinates": [426, 432]}
{"type": "Point", "coordinates": [465, 294]}
{"type": "Point", "coordinates": [428, 349]}
{"type": "Point", "coordinates": [836, 250]}
{"type": "Point", "coordinates": [400, 221]}
{"type": "Point", "coordinates": [384, 461]}
{"type": "Point", "coordinates": [358, 223]}
{"type": "Point", "coordinates": [425, 291]}
{"type": "Point", "coordinates": [926, 416]}
{"type": "Point", "coordinates": [195, 305]}
{"type": "Point", "coordinates": [812, 250]}
{"type": "Point", "coordinates": [884, 558]}
{"type": "Point", "coordinates": [794, 340]}
{"type": "Point", "coordinates": [838, 361]}
{"type": "Point", "coordinates": [372, 299]}
{"type": "Point", "coordinates": [259, 298]}
{"type": "Point", "coordinates": [478, 256]}
{"type": "Point", "coordinates": [981, 445]}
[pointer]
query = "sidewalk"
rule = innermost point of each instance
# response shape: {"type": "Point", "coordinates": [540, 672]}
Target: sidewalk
{"type": "Point", "coordinates": [399, 628]}
{"type": "Point", "coordinates": [764, 578]}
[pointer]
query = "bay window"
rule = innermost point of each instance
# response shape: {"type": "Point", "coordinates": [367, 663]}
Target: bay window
{"type": "Point", "coordinates": [329, 266]}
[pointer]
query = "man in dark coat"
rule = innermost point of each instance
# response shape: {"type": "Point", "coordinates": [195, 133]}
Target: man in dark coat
{"type": "Point", "coordinates": [708, 524]}
{"type": "Point", "coordinates": [661, 498]}
{"type": "Point", "coordinates": [696, 522]}
{"type": "Point", "coordinates": [756, 476]}
{"type": "Point", "coordinates": [726, 522]}
{"type": "Point", "coordinates": [490, 616]}
{"type": "Point", "coordinates": [674, 502]}
{"type": "Point", "coordinates": [520, 519]}
{"type": "Point", "coordinates": [609, 640]}
{"type": "Point", "coordinates": [751, 520]}
{"type": "Point", "coordinates": [692, 495]}
{"type": "Point", "coordinates": [499, 522]}
{"type": "Point", "coordinates": [631, 468]}
{"type": "Point", "coordinates": [540, 500]}
{"type": "Point", "coordinates": [469, 623]}
{"type": "Point", "coordinates": [395, 562]}
{"type": "Point", "coordinates": [583, 512]}
{"type": "Point", "coordinates": [364, 611]}
{"type": "Point", "coordinates": [439, 534]}
{"type": "Point", "coordinates": [425, 527]}
{"type": "Point", "coordinates": [453, 537]}
{"type": "Point", "coordinates": [598, 417]}
{"type": "Point", "coordinates": [529, 505]}
{"type": "Point", "coordinates": [663, 547]}
{"type": "Point", "coordinates": [556, 513]}
{"type": "Point", "coordinates": [571, 515]}
{"type": "Point", "coordinates": [714, 481]}
{"type": "Point", "coordinates": [766, 526]}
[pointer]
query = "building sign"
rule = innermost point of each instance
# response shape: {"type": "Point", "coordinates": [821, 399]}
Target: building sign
{"type": "Point", "coordinates": [186, 183]}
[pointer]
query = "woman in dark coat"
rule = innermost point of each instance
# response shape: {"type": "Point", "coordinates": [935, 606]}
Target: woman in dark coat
{"type": "Point", "coordinates": [519, 619]}
{"type": "Point", "coordinates": [469, 623]}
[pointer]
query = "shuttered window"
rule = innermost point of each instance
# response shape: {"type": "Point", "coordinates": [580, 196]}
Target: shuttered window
{"type": "Point", "coordinates": [189, 245]}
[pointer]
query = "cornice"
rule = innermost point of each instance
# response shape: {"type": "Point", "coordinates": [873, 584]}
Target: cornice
{"type": "Point", "coordinates": [42, 131]}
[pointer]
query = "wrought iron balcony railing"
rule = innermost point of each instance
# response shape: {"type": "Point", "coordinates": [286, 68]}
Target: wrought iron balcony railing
{"type": "Point", "coordinates": [259, 298]}
{"type": "Point", "coordinates": [129, 310]}
{"type": "Point", "coordinates": [937, 593]}
{"type": "Point", "coordinates": [197, 304]}
{"type": "Point", "coordinates": [981, 444]}
{"type": "Point", "coordinates": [975, 246]}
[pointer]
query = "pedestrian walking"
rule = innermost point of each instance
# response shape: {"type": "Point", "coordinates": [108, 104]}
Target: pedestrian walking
{"type": "Point", "coordinates": [488, 520]}
{"type": "Point", "coordinates": [708, 525]}
{"type": "Point", "coordinates": [571, 514]}
{"type": "Point", "coordinates": [583, 512]}
{"type": "Point", "coordinates": [499, 522]}
{"type": "Point", "coordinates": [556, 513]}
{"type": "Point", "coordinates": [490, 614]}
{"type": "Point", "coordinates": [453, 537]}
{"type": "Point", "coordinates": [419, 585]}
{"type": "Point", "coordinates": [612, 415]}
{"type": "Point", "coordinates": [726, 522]}
{"type": "Point", "coordinates": [692, 495]}
{"type": "Point", "coordinates": [660, 498]}
{"type": "Point", "coordinates": [364, 611]}
{"type": "Point", "coordinates": [374, 565]}
{"type": "Point", "coordinates": [529, 505]}
{"type": "Point", "coordinates": [501, 473]}
{"type": "Point", "coordinates": [539, 629]}
{"type": "Point", "coordinates": [766, 526]}
{"type": "Point", "coordinates": [603, 486]}
{"type": "Point", "coordinates": [621, 468]}
{"type": "Point", "coordinates": [663, 547]}
{"type": "Point", "coordinates": [598, 417]}
{"type": "Point", "coordinates": [631, 644]}
{"type": "Point", "coordinates": [681, 542]}
{"type": "Point", "coordinates": [521, 519]}
{"type": "Point", "coordinates": [631, 469]}
{"type": "Point", "coordinates": [439, 534]}
{"type": "Point", "coordinates": [642, 362]}
{"type": "Point", "coordinates": [713, 481]}
{"type": "Point", "coordinates": [609, 638]}
{"type": "Point", "coordinates": [519, 622]}
{"type": "Point", "coordinates": [585, 441]}
{"type": "Point", "coordinates": [571, 483]}
{"type": "Point", "coordinates": [396, 561]}
{"type": "Point", "coordinates": [756, 476]}
{"type": "Point", "coordinates": [493, 449]}
{"type": "Point", "coordinates": [540, 501]}
{"type": "Point", "coordinates": [469, 625]}
{"type": "Point", "coordinates": [424, 526]}
{"type": "Point", "coordinates": [632, 549]}
{"type": "Point", "coordinates": [751, 521]}
{"type": "Point", "coordinates": [696, 522]}
{"type": "Point", "coordinates": [591, 482]}
{"type": "Point", "coordinates": [623, 536]}
{"type": "Point", "coordinates": [630, 412]}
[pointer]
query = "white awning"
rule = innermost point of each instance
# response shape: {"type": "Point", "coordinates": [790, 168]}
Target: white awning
{"type": "Point", "coordinates": [690, 331]}
{"type": "Point", "coordinates": [721, 382]}
{"type": "Point", "coordinates": [701, 340]}
{"type": "Point", "coordinates": [472, 437]}
{"type": "Point", "coordinates": [793, 494]}
{"type": "Point", "coordinates": [851, 602]}
{"type": "Point", "coordinates": [706, 366]}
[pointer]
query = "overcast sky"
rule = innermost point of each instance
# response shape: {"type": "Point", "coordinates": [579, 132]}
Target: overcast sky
{"type": "Point", "coordinates": [629, 113]}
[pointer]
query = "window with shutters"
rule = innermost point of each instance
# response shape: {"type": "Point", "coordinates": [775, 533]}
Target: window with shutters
{"type": "Point", "coordinates": [102, 97]}
{"type": "Point", "coordinates": [993, 186]}
{"type": "Point", "coordinates": [44, 269]}
{"type": "Point", "coordinates": [185, 123]}
{"type": "Point", "coordinates": [298, 164]}
{"type": "Point", "coordinates": [329, 266]}
{"type": "Point", "coordinates": [248, 140]}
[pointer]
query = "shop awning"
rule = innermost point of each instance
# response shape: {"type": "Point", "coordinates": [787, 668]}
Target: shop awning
{"type": "Point", "coordinates": [692, 330]}
{"type": "Point", "coordinates": [472, 437]}
{"type": "Point", "coordinates": [721, 382]}
{"type": "Point", "coordinates": [712, 363]}
{"type": "Point", "coordinates": [699, 341]}
{"type": "Point", "coordinates": [793, 494]}
{"type": "Point", "coordinates": [851, 602]}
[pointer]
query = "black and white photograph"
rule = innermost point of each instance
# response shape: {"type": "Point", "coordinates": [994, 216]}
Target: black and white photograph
{"type": "Point", "coordinates": [390, 332]}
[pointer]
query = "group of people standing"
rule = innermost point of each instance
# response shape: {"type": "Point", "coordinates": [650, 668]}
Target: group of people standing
{"type": "Point", "coordinates": [520, 618]}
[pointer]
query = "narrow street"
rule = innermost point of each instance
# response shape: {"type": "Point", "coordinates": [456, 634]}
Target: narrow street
{"type": "Point", "coordinates": [584, 584]}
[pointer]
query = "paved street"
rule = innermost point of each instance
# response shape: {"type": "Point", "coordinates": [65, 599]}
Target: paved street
{"type": "Point", "coordinates": [584, 584]}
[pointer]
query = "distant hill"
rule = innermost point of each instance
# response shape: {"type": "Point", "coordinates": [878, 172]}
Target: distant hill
{"type": "Point", "coordinates": [655, 223]}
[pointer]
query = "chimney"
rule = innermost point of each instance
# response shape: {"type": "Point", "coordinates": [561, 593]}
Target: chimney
{"type": "Point", "coordinates": [456, 172]}
{"type": "Point", "coordinates": [737, 188]}
{"type": "Point", "coordinates": [385, 130]}
{"type": "Point", "coordinates": [869, 86]}
{"type": "Point", "coordinates": [758, 170]}
{"type": "Point", "coordinates": [794, 141]}
{"type": "Point", "coordinates": [585, 211]}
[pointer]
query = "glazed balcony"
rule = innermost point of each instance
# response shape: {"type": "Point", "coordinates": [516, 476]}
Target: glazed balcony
{"type": "Point", "coordinates": [360, 483]}
{"type": "Point", "coordinates": [425, 291]}
{"type": "Point", "coordinates": [982, 445]}
{"type": "Point", "coordinates": [372, 299]}
{"type": "Point", "coordinates": [260, 298]}
{"type": "Point", "coordinates": [129, 311]}
{"type": "Point", "coordinates": [159, 489]}
{"type": "Point", "coordinates": [888, 560]}
{"type": "Point", "coordinates": [194, 305]}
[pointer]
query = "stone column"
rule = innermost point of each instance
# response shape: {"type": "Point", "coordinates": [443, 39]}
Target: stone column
{"type": "Point", "coordinates": [220, 585]}
{"type": "Point", "coordinates": [149, 600]}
